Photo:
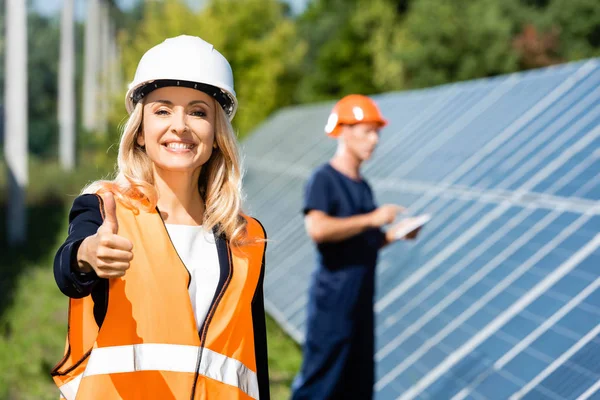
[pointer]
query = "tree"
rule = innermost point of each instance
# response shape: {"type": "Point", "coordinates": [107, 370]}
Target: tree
{"type": "Point", "coordinates": [338, 61]}
{"type": "Point", "coordinates": [536, 49]}
{"type": "Point", "coordinates": [578, 26]}
{"type": "Point", "coordinates": [43, 40]}
{"type": "Point", "coordinates": [453, 41]}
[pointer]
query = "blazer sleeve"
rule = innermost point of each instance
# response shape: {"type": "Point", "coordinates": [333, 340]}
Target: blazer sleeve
{"type": "Point", "coordinates": [260, 334]}
{"type": "Point", "coordinates": [85, 218]}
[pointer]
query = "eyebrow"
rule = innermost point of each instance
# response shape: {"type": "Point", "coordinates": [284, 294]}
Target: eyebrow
{"type": "Point", "coordinates": [191, 103]}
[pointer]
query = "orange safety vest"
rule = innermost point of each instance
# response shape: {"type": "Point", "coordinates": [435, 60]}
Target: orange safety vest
{"type": "Point", "coordinates": [148, 346]}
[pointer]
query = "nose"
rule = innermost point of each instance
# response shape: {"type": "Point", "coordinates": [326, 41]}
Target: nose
{"type": "Point", "coordinates": [375, 137]}
{"type": "Point", "coordinates": [179, 122]}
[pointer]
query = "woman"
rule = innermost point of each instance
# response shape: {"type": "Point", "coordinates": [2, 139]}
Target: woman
{"type": "Point", "coordinates": [163, 272]}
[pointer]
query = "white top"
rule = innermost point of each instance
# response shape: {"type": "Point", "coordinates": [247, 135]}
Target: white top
{"type": "Point", "coordinates": [198, 251]}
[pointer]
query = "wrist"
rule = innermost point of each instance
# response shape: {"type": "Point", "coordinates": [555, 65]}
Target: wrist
{"type": "Point", "coordinates": [368, 222]}
{"type": "Point", "coordinates": [82, 264]}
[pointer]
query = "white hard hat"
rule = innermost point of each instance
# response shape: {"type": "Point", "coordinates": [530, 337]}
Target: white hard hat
{"type": "Point", "coordinates": [184, 61]}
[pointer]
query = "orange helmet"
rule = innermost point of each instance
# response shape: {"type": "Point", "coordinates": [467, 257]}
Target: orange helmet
{"type": "Point", "coordinates": [353, 109]}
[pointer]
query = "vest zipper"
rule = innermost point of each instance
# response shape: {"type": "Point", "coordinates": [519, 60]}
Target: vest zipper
{"type": "Point", "coordinates": [208, 319]}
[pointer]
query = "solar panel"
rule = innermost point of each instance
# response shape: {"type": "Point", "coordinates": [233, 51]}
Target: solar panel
{"type": "Point", "coordinates": [500, 296]}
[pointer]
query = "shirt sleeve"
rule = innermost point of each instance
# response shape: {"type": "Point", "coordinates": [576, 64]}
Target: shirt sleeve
{"type": "Point", "coordinates": [84, 220]}
{"type": "Point", "coordinates": [318, 193]}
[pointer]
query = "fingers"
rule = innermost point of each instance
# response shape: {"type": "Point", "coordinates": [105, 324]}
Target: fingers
{"type": "Point", "coordinates": [107, 268]}
{"type": "Point", "coordinates": [110, 212]}
{"type": "Point", "coordinates": [114, 255]}
{"type": "Point", "coordinates": [112, 241]}
{"type": "Point", "coordinates": [395, 208]}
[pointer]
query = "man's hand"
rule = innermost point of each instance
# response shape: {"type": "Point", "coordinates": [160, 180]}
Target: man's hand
{"type": "Point", "coordinates": [386, 214]}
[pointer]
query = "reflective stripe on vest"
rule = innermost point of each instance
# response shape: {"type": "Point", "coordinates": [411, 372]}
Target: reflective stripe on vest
{"type": "Point", "coordinates": [69, 390]}
{"type": "Point", "coordinates": [166, 357]}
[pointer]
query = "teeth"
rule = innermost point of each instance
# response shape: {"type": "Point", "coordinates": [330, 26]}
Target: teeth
{"type": "Point", "coordinates": [175, 145]}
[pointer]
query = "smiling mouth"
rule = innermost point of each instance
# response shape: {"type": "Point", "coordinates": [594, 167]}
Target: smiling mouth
{"type": "Point", "coordinates": [179, 146]}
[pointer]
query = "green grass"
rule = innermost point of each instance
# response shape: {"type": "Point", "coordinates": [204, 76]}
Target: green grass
{"type": "Point", "coordinates": [33, 314]}
{"type": "Point", "coordinates": [284, 360]}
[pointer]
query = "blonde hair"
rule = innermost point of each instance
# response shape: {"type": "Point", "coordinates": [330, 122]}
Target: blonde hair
{"type": "Point", "coordinates": [219, 182]}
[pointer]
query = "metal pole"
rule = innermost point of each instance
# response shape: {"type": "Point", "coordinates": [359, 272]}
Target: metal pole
{"type": "Point", "coordinates": [115, 71]}
{"type": "Point", "coordinates": [105, 56]}
{"type": "Point", "coordinates": [66, 88]}
{"type": "Point", "coordinates": [91, 63]}
{"type": "Point", "coordinates": [15, 118]}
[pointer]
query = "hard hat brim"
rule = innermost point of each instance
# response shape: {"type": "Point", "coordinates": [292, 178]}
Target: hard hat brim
{"type": "Point", "coordinates": [135, 94]}
{"type": "Point", "coordinates": [336, 130]}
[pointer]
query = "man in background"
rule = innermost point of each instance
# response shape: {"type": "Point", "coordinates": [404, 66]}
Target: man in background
{"type": "Point", "coordinates": [342, 218]}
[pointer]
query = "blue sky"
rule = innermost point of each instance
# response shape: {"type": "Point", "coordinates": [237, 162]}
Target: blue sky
{"type": "Point", "coordinates": [51, 7]}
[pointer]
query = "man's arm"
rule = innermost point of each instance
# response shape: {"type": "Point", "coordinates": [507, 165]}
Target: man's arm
{"type": "Point", "coordinates": [324, 228]}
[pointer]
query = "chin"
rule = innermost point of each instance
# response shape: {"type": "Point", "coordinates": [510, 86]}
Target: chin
{"type": "Point", "coordinates": [176, 167]}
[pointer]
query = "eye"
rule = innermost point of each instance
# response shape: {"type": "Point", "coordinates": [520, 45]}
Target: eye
{"type": "Point", "coordinates": [198, 113]}
{"type": "Point", "coordinates": [161, 111]}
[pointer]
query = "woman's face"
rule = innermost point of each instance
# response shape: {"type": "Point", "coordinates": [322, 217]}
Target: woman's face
{"type": "Point", "coordinates": [178, 128]}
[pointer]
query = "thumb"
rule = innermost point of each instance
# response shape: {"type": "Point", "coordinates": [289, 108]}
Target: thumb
{"type": "Point", "coordinates": [110, 212]}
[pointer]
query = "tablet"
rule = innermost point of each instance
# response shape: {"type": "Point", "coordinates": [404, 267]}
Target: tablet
{"type": "Point", "coordinates": [415, 223]}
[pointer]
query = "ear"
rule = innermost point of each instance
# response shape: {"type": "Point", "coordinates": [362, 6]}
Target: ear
{"type": "Point", "coordinates": [345, 130]}
{"type": "Point", "coordinates": [140, 139]}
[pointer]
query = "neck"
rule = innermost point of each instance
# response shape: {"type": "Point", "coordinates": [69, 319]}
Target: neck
{"type": "Point", "coordinates": [179, 199]}
{"type": "Point", "coordinates": [346, 163]}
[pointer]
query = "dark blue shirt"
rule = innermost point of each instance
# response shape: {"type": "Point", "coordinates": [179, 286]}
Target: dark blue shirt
{"type": "Point", "coordinates": [338, 195]}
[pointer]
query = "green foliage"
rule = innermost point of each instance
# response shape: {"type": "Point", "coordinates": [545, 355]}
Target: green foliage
{"type": "Point", "coordinates": [43, 41]}
{"type": "Point", "coordinates": [578, 24]}
{"type": "Point", "coordinates": [339, 59]}
{"type": "Point", "coordinates": [285, 357]}
{"type": "Point", "coordinates": [371, 46]}
{"type": "Point", "coordinates": [450, 41]}
{"type": "Point", "coordinates": [49, 183]}
{"type": "Point", "coordinates": [33, 331]}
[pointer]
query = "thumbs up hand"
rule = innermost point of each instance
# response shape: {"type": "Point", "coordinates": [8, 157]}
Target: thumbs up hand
{"type": "Point", "coordinates": [106, 252]}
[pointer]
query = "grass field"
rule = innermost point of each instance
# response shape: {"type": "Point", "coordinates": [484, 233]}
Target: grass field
{"type": "Point", "coordinates": [33, 311]}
